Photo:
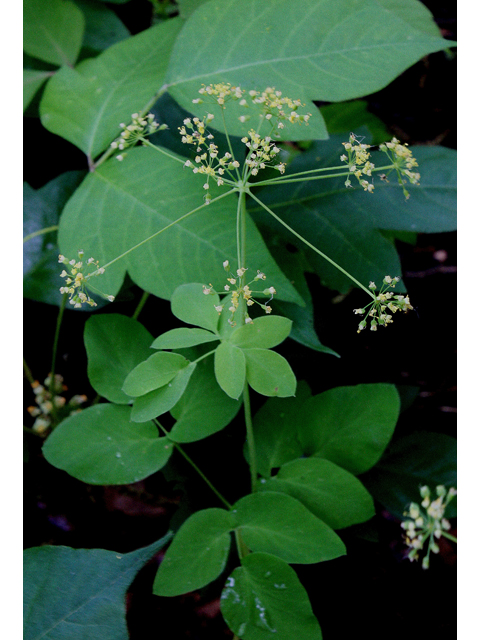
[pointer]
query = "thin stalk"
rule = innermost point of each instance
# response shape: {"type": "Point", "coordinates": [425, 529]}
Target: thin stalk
{"type": "Point", "coordinates": [320, 253]}
{"type": "Point", "coordinates": [242, 548]}
{"type": "Point", "coordinates": [172, 224]}
{"type": "Point", "coordinates": [294, 176]}
{"type": "Point", "coordinates": [28, 373]}
{"type": "Point", "coordinates": [40, 232]}
{"type": "Point", "coordinates": [192, 464]}
{"type": "Point", "coordinates": [54, 355]}
{"type": "Point", "coordinates": [449, 536]}
{"type": "Point", "coordinates": [250, 438]}
{"type": "Point", "coordinates": [161, 150]}
{"type": "Point", "coordinates": [229, 143]}
{"type": "Point", "coordinates": [140, 305]}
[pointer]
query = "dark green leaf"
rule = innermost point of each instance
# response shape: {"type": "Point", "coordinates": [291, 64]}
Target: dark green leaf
{"type": "Point", "coordinates": [102, 26]}
{"type": "Point", "coordinates": [328, 491]}
{"type": "Point", "coordinates": [115, 345]}
{"type": "Point", "coordinates": [32, 81]}
{"type": "Point", "coordinates": [79, 594]}
{"type": "Point", "coordinates": [269, 373]}
{"type": "Point", "coordinates": [230, 369]}
{"type": "Point", "coordinates": [197, 555]}
{"type": "Point", "coordinates": [278, 524]}
{"type": "Point", "coordinates": [350, 116]}
{"type": "Point", "coordinates": [100, 445]}
{"type": "Point", "coordinates": [153, 373]}
{"type": "Point", "coordinates": [264, 597]}
{"type": "Point", "coordinates": [183, 337]}
{"type": "Point", "coordinates": [265, 332]}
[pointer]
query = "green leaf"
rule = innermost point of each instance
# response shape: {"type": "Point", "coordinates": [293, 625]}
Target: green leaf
{"type": "Point", "coordinates": [102, 26]}
{"type": "Point", "coordinates": [333, 218]}
{"type": "Point", "coordinates": [205, 409]}
{"type": "Point", "coordinates": [41, 209]}
{"type": "Point", "coordinates": [265, 332]}
{"type": "Point", "coordinates": [85, 105]}
{"type": "Point", "coordinates": [191, 305]}
{"type": "Point", "coordinates": [278, 524]}
{"type": "Point", "coordinates": [275, 430]}
{"type": "Point", "coordinates": [350, 426]}
{"type": "Point", "coordinates": [230, 369]}
{"type": "Point", "coordinates": [53, 30]}
{"type": "Point", "coordinates": [308, 49]}
{"type": "Point", "coordinates": [79, 594]}
{"type": "Point", "coordinates": [100, 445]}
{"type": "Point", "coordinates": [157, 402]}
{"type": "Point", "coordinates": [197, 555]}
{"type": "Point", "coordinates": [265, 597]}
{"type": "Point", "coordinates": [328, 491]}
{"type": "Point", "coordinates": [350, 116]}
{"type": "Point", "coordinates": [32, 81]}
{"type": "Point", "coordinates": [182, 338]}
{"type": "Point", "coordinates": [115, 344]}
{"type": "Point", "coordinates": [269, 373]}
{"type": "Point", "coordinates": [123, 203]}
{"type": "Point", "coordinates": [410, 462]}
{"type": "Point", "coordinates": [153, 373]}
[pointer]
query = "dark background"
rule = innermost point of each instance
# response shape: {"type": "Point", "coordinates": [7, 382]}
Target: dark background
{"type": "Point", "coordinates": [373, 592]}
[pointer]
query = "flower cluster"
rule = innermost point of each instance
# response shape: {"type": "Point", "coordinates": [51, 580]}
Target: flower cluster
{"type": "Point", "coordinates": [358, 162]}
{"type": "Point", "coordinates": [77, 278]}
{"type": "Point", "coordinates": [425, 526]}
{"type": "Point", "coordinates": [221, 93]}
{"type": "Point", "coordinates": [140, 127]}
{"type": "Point", "coordinates": [207, 161]}
{"type": "Point", "coordinates": [262, 152]}
{"type": "Point", "coordinates": [403, 161]}
{"type": "Point", "coordinates": [238, 290]}
{"type": "Point", "coordinates": [45, 402]}
{"type": "Point", "coordinates": [383, 305]}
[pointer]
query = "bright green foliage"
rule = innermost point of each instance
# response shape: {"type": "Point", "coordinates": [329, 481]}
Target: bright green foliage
{"type": "Point", "coordinates": [32, 81]}
{"type": "Point", "coordinates": [85, 105]}
{"type": "Point", "coordinates": [266, 332]}
{"type": "Point", "coordinates": [192, 306]}
{"type": "Point", "coordinates": [316, 50]}
{"type": "Point", "coordinates": [264, 597]}
{"type": "Point", "coordinates": [197, 555]}
{"type": "Point", "coordinates": [230, 369]}
{"type": "Point", "coordinates": [332, 494]}
{"type": "Point", "coordinates": [153, 373]}
{"type": "Point", "coordinates": [101, 446]}
{"type": "Point", "coordinates": [183, 337]}
{"type": "Point", "coordinates": [115, 345]}
{"type": "Point", "coordinates": [53, 30]}
{"type": "Point", "coordinates": [79, 594]}
{"type": "Point", "coordinates": [269, 373]}
{"type": "Point", "coordinates": [278, 524]}
{"type": "Point", "coordinates": [205, 409]}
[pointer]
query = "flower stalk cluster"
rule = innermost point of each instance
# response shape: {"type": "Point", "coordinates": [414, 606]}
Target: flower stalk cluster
{"type": "Point", "coordinates": [46, 402]}
{"type": "Point", "coordinates": [237, 291]}
{"type": "Point", "coordinates": [359, 165]}
{"type": "Point", "coordinates": [77, 280]}
{"type": "Point", "coordinates": [425, 523]}
{"type": "Point", "coordinates": [383, 305]}
{"type": "Point", "coordinates": [403, 161]}
{"type": "Point", "coordinates": [137, 130]}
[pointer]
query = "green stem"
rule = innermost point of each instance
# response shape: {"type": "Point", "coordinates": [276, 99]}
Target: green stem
{"type": "Point", "coordinates": [172, 224]}
{"type": "Point", "coordinates": [140, 305]}
{"type": "Point", "coordinates": [449, 536]}
{"type": "Point", "coordinates": [229, 143]}
{"type": "Point", "coordinates": [54, 355]}
{"type": "Point", "coordinates": [40, 232]}
{"type": "Point", "coordinates": [250, 437]}
{"type": "Point", "coordinates": [161, 150]}
{"type": "Point", "coordinates": [190, 462]}
{"type": "Point", "coordinates": [242, 548]}
{"type": "Point", "coordinates": [294, 176]}
{"type": "Point", "coordinates": [205, 355]}
{"type": "Point", "coordinates": [320, 253]}
{"type": "Point", "coordinates": [28, 373]}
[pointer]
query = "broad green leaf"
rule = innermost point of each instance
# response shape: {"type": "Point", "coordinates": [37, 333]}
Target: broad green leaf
{"type": "Point", "coordinates": [333, 218]}
{"type": "Point", "coordinates": [197, 555]}
{"type": "Point", "coordinates": [278, 524]}
{"type": "Point", "coordinates": [153, 373]}
{"type": "Point", "coordinates": [308, 49]}
{"type": "Point", "coordinates": [351, 426]}
{"type": "Point", "coordinates": [230, 369]}
{"type": "Point", "coordinates": [265, 332]}
{"type": "Point", "coordinates": [100, 445]}
{"type": "Point", "coordinates": [182, 338]}
{"type": "Point", "coordinates": [123, 203]}
{"type": "Point", "coordinates": [187, 7]}
{"type": "Point", "coordinates": [192, 306]}
{"type": "Point", "coordinates": [102, 26]}
{"type": "Point", "coordinates": [79, 594]}
{"type": "Point", "coordinates": [115, 344]}
{"type": "Point", "coordinates": [85, 105]}
{"type": "Point", "coordinates": [32, 81]}
{"type": "Point", "coordinates": [264, 597]}
{"type": "Point", "coordinates": [157, 402]}
{"type": "Point", "coordinates": [275, 429]}
{"type": "Point", "coordinates": [205, 409]}
{"type": "Point", "coordinates": [53, 30]}
{"type": "Point", "coordinates": [41, 209]}
{"type": "Point", "coordinates": [328, 491]}
{"type": "Point", "coordinates": [269, 373]}
{"type": "Point", "coordinates": [350, 116]}
{"type": "Point", "coordinates": [412, 461]}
